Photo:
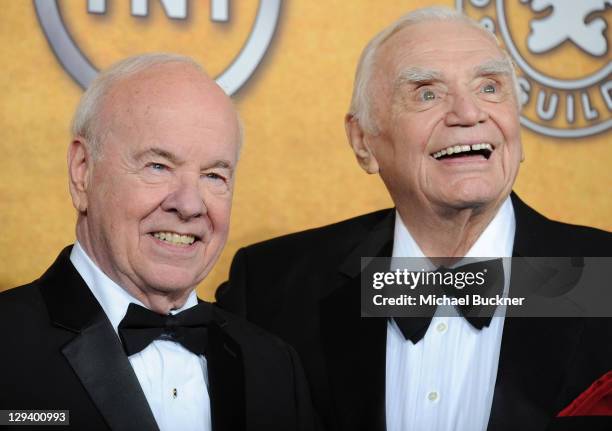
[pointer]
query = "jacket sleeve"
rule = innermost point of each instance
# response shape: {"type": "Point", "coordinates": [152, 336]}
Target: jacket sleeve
{"type": "Point", "coordinates": [307, 419]}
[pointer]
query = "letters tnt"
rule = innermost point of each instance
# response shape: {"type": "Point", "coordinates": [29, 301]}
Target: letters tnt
{"type": "Point", "coordinates": [176, 9]}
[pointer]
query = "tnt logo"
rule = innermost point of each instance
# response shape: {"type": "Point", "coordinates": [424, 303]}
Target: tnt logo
{"type": "Point", "coordinates": [562, 50]}
{"type": "Point", "coordinates": [230, 41]}
{"type": "Point", "coordinates": [219, 9]}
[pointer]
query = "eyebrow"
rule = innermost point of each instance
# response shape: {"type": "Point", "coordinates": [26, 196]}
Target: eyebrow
{"type": "Point", "coordinates": [158, 152]}
{"type": "Point", "coordinates": [417, 75]}
{"type": "Point", "coordinates": [493, 67]}
{"type": "Point", "coordinates": [223, 164]}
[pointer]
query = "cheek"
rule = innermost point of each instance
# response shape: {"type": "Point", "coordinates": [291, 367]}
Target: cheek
{"type": "Point", "coordinates": [135, 205]}
{"type": "Point", "coordinates": [107, 208]}
{"type": "Point", "coordinates": [420, 129]}
{"type": "Point", "coordinates": [218, 211]}
{"type": "Point", "coordinates": [507, 120]}
{"type": "Point", "coordinates": [512, 133]}
{"type": "Point", "coordinates": [512, 136]}
{"type": "Point", "coordinates": [112, 191]}
{"type": "Point", "coordinates": [411, 145]}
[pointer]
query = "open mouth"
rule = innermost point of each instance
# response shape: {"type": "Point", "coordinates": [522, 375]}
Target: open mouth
{"type": "Point", "coordinates": [175, 238]}
{"type": "Point", "coordinates": [483, 150]}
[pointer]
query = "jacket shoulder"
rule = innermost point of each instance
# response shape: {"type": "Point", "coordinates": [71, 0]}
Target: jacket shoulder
{"type": "Point", "coordinates": [339, 237]}
{"type": "Point", "coordinates": [273, 373]}
{"type": "Point", "coordinates": [545, 237]}
{"type": "Point", "coordinates": [247, 333]}
{"type": "Point", "coordinates": [21, 303]}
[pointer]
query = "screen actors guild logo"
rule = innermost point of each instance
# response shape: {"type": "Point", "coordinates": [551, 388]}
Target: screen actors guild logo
{"type": "Point", "coordinates": [562, 50]}
{"type": "Point", "coordinates": [567, 22]}
{"type": "Point", "coordinates": [74, 61]}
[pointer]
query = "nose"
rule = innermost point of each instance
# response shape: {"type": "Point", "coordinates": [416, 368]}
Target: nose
{"type": "Point", "coordinates": [465, 111]}
{"type": "Point", "coordinates": [185, 198]}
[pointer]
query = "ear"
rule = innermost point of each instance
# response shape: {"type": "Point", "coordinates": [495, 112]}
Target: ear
{"type": "Point", "coordinates": [79, 171]}
{"type": "Point", "coordinates": [359, 143]}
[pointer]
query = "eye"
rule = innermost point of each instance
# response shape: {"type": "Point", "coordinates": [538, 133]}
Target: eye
{"type": "Point", "coordinates": [214, 176]}
{"type": "Point", "coordinates": [216, 183]}
{"type": "Point", "coordinates": [489, 89]}
{"type": "Point", "coordinates": [157, 166]}
{"type": "Point", "coordinates": [427, 95]}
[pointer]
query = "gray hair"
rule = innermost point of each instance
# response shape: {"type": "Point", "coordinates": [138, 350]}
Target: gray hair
{"type": "Point", "coordinates": [85, 123]}
{"type": "Point", "coordinates": [361, 105]}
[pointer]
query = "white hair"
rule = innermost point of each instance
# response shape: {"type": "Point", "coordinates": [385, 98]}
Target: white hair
{"type": "Point", "coordinates": [85, 122]}
{"type": "Point", "coordinates": [361, 104]}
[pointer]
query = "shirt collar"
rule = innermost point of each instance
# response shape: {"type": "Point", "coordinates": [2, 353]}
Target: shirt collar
{"type": "Point", "coordinates": [496, 240]}
{"type": "Point", "coordinates": [112, 297]}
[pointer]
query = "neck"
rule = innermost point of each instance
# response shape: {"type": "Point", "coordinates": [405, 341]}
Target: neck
{"type": "Point", "coordinates": [447, 232]}
{"type": "Point", "coordinates": [160, 302]}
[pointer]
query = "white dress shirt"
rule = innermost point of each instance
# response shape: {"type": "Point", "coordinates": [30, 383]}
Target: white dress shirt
{"type": "Point", "coordinates": [445, 382]}
{"type": "Point", "coordinates": [173, 379]}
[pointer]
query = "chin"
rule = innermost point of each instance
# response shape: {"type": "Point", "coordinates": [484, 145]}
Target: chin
{"type": "Point", "coordinates": [174, 281]}
{"type": "Point", "coordinates": [473, 197]}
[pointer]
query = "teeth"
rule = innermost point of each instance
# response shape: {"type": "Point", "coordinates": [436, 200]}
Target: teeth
{"type": "Point", "coordinates": [462, 149]}
{"type": "Point", "coordinates": [175, 238]}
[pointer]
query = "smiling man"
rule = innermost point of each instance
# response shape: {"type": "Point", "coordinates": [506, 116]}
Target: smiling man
{"type": "Point", "coordinates": [441, 127]}
{"type": "Point", "coordinates": [113, 332]}
{"type": "Point", "coordinates": [435, 114]}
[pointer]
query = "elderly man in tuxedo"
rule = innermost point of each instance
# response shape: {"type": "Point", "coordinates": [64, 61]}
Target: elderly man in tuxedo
{"type": "Point", "coordinates": [435, 113]}
{"type": "Point", "coordinates": [114, 331]}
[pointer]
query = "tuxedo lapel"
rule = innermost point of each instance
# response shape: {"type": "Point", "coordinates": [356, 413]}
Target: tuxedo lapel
{"type": "Point", "coordinates": [104, 370]}
{"type": "Point", "coordinates": [95, 353]}
{"type": "Point", "coordinates": [535, 352]}
{"type": "Point", "coordinates": [355, 347]}
{"type": "Point", "coordinates": [226, 378]}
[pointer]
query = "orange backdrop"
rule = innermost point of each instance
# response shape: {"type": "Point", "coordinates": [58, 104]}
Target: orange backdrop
{"type": "Point", "coordinates": [296, 170]}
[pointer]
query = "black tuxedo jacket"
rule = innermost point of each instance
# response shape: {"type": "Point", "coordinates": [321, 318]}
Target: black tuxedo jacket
{"type": "Point", "coordinates": [59, 351]}
{"type": "Point", "coordinates": [305, 288]}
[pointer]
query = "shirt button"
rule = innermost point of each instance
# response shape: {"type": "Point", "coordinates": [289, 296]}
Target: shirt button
{"type": "Point", "coordinates": [441, 327]}
{"type": "Point", "coordinates": [432, 396]}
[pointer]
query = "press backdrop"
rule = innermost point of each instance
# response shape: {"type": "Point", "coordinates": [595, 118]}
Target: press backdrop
{"type": "Point", "coordinates": [296, 170]}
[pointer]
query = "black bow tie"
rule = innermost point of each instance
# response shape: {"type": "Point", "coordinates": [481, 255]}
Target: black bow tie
{"type": "Point", "coordinates": [141, 326]}
{"type": "Point", "coordinates": [414, 328]}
